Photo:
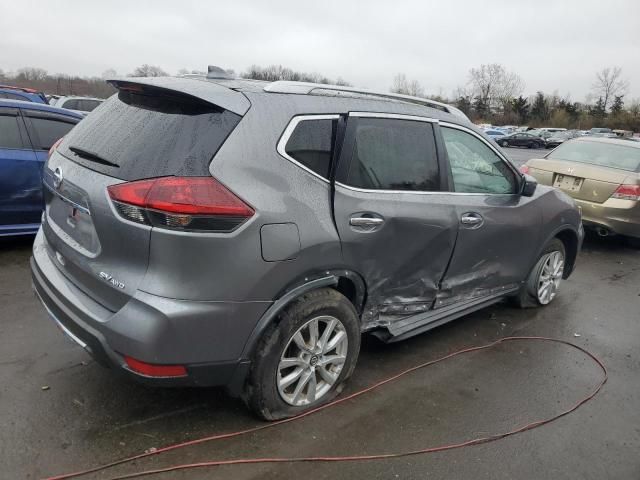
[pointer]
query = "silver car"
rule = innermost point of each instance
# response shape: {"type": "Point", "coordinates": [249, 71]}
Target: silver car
{"type": "Point", "coordinates": [215, 231]}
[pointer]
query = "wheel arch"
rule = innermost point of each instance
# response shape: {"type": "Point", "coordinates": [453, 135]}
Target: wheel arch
{"type": "Point", "coordinates": [571, 242]}
{"type": "Point", "coordinates": [347, 282]}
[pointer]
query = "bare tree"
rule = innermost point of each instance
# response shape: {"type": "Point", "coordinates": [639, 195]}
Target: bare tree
{"type": "Point", "coordinates": [148, 71]}
{"type": "Point", "coordinates": [32, 74]}
{"type": "Point", "coordinates": [407, 87]}
{"type": "Point", "coordinates": [609, 84]}
{"type": "Point", "coordinates": [278, 72]}
{"type": "Point", "coordinates": [109, 73]}
{"type": "Point", "coordinates": [494, 85]}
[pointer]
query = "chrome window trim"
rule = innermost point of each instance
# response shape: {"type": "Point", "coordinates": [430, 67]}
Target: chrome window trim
{"type": "Point", "coordinates": [288, 131]}
{"type": "Point", "coordinates": [411, 192]}
{"type": "Point", "coordinates": [395, 116]}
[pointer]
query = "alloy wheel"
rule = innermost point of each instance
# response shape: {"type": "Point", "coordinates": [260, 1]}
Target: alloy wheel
{"type": "Point", "coordinates": [550, 276]}
{"type": "Point", "coordinates": [312, 361]}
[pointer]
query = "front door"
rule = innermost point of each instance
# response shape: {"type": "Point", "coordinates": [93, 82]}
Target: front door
{"type": "Point", "coordinates": [499, 228]}
{"type": "Point", "coordinates": [396, 226]}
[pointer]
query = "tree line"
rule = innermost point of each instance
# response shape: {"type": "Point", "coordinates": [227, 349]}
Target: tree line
{"type": "Point", "coordinates": [492, 94]}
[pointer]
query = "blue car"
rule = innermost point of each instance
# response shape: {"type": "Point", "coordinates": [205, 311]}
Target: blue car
{"type": "Point", "coordinates": [22, 94]}
{"type": "Point", "coordinates": [27, 131]}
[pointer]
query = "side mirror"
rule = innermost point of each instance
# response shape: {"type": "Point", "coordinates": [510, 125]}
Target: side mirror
{"type": "Point", "coordinates": [529, 185]}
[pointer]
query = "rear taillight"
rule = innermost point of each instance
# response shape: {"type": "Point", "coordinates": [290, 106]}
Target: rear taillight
{"type": "Point", "coordinates": [627, 192]}
{"type": "Point", "coordinates": [54, 146]}
{"type": "Point", "coordinates": [180, 203]}
{"type": "Point", "coordinates": [524, 169]}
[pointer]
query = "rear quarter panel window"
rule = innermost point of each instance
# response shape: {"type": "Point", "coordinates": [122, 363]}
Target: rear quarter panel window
{"type": "Point", "coordinates": [311, 144]}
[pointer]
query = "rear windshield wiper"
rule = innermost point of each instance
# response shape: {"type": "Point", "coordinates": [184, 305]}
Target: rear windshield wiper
{"type": "Point", "coordinates": [87, 155]}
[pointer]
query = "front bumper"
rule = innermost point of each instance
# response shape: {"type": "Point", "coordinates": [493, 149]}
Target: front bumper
{"type": "Point", "coordinates": [618, 216]}
{"type": "Point", "coordinates": [206, 337]}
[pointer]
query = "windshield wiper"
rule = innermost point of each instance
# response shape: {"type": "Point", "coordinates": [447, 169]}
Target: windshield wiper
{"type": "Point", "coordinates": [87, 155]}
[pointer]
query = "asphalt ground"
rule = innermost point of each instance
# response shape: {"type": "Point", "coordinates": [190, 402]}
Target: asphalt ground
{"type": "Point", "coordinates": [60, 411]}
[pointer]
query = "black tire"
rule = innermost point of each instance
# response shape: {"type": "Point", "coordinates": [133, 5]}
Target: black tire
{"type": "Point", "coordinates": [261, 393]}
{"type": "Point", "coordinates": [531, 145]}
{"type": "Point", "coordinates": [633, 242]}
{"type": "Point", "coordinates": [527, 296]}
{"type": "Point", "coordinates": [504, 143]}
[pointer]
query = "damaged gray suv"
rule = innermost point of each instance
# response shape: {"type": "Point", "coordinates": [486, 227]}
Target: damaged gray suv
{"type": "Point", "coordinates": [215, 231]}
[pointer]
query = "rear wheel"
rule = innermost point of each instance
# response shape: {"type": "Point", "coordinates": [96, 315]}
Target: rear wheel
{"type": "Point", "coordinates": [303, 361]}
{"type": "Point", "coordinates": [543, 283]}
{"type": "Point", "coordinates": [531, 145]}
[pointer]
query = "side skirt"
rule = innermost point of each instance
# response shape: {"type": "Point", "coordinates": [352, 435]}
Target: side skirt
{"type": "Point", "coordinates": [423, 322]}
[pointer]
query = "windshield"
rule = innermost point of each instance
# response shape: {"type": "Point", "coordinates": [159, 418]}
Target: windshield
{"type": "Point", "coordinates": [602, 154]}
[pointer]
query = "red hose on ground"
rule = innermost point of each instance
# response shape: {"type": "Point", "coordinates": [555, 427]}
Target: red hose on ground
{"type": "Point", "coordinates": [382, 456]}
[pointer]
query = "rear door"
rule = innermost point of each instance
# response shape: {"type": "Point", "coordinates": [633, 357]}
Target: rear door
{"type": "Point", "coordinates": [396, 226]}
{"type": "Point", "coordinates": [499, 228]}
{"type": "Point", "coordinates": [20, 180]}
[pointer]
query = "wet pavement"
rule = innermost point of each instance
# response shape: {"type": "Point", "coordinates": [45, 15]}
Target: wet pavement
{"type": "Point", "coordinates": [89, 415]}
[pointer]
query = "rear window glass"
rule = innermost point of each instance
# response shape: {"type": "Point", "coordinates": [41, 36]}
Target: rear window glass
{"type": "Point", "coordinates": [597, 153]}
{"type": "Point", "coordinates": [88, 105]}
{"type": "Point", "coordinates": [151, 136]}
{"type": "Point", "coordinates": [311, 144]}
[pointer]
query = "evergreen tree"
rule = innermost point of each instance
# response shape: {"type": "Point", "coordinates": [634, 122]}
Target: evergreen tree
{"type": "Point", "coordinates": [520, 105]}
{"type": "Point", "coordinates": [598, 111]}
{"type": "Point", "coordinates": [540, 109]}
{"type": "Point", "coordinates": [618, 105]}
{"type": "Point", "coordinates": [464, 104]}
{"type": "Point", "coordinates": [480, 107]}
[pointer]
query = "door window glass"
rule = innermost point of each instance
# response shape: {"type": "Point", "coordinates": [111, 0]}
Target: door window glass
{"type": "Point", "coordinates": [9, 132]}
{"type": "Point", "coordinates": [392, 154]}
{"type": "Point", "coordinates": [475, 167]}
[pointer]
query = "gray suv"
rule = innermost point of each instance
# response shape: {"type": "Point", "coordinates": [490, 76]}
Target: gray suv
{"type": "Point", "coordinates": [213, 231]}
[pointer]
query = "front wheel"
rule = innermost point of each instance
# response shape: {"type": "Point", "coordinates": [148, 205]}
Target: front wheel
{"type": "Point", "coordinates": [303, 360]}
{"type": "Point", "coordinates": [504, 143]}
{"type": "Point", "coordinates": [544, 281]}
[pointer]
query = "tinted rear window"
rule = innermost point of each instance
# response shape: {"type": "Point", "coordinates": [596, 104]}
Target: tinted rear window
{"type": "Point", "coordinates": [151, 136]}
{"type": "Point", "coordinates": [602, 154]}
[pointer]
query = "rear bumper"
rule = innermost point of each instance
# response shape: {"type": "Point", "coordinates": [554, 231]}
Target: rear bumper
{"type": "Point", "coordinates": [156, 330]}
{"type": "Point", "coordinates": [617, 216]}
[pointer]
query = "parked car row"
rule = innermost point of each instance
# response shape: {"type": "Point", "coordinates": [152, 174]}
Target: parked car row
{"type": "Point", "coordinates": [78, 104]}
{"type": "Point", "coordinates": [27, 131]}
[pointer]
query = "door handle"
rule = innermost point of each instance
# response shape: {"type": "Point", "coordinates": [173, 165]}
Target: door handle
{"type": "Point", "coordinates": [471, 219]}
{"type": "Point", "coordinates": [365, 221]}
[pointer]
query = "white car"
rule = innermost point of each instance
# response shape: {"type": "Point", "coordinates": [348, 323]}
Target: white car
{"type": "Point", "coordinates": [81, 105]}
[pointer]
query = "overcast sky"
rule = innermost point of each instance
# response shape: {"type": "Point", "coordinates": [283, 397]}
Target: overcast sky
{"type": "Point", "coordinates": [552, 45]}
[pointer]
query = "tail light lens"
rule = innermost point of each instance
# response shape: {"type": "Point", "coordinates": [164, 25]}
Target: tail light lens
{"type": "Point", "coordinates": [180, 203]}
{"type": "Point", "coordinates": [627, 192]}
{"type": "Point", "coordinates": [54, 146]}
{"type": "Point", "coordinates": [153, 370]}
{"type": "Point", "coordinates": [524, 169]}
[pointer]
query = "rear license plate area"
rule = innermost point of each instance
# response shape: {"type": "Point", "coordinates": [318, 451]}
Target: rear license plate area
{"type": "Point", "coordinates": [568, 183]}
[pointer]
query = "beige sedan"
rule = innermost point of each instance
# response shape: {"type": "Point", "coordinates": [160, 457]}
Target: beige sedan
{"type": "Point", "coordinates": [603, 177]}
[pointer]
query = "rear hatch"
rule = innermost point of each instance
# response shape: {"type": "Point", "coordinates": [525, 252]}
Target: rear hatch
{"type": "Point", "coordinates": [151, 128]}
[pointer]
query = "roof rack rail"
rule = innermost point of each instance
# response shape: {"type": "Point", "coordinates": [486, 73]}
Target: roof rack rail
{"type": "Point", "coordinates": [308, 88]}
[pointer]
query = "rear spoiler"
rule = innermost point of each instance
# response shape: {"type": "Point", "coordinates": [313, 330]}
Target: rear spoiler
{"type": "Point", "coordinates": [209, 92]}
